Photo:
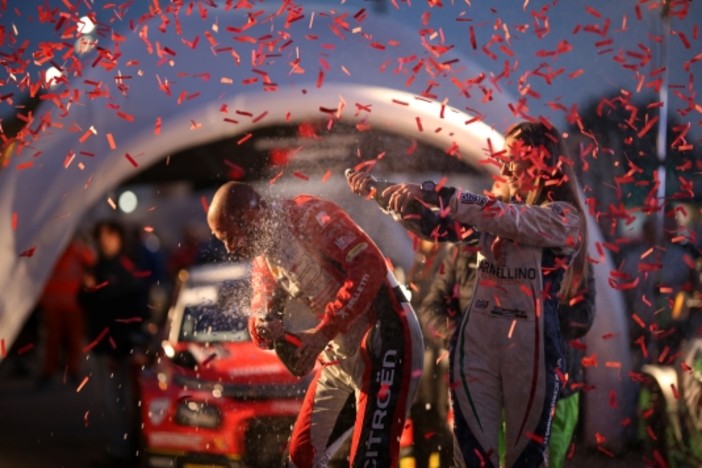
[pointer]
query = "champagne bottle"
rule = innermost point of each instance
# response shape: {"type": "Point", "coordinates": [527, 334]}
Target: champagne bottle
{"type": "Point", "coordinates": [377, 185]}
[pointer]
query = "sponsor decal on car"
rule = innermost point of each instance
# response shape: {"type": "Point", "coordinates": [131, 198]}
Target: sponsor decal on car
{"type": "Point", "coordinates": [158, 409]}
{"type": "Point", "coordinates": [186, 441]}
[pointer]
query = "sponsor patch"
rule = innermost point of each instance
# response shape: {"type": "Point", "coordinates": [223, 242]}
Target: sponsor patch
{"type": "Point", "coordinates": [356, 250]}
{"type": "Point", "coordinates": [468, 198]}
{"type": "Point", "coordinates": [557, 208]}
{"type": "Point", "coordinates": [323, 218]}
{"type": "Point", "coordinates": [509, 313]}
{"type": "Point", "coordinates": [344, 241]}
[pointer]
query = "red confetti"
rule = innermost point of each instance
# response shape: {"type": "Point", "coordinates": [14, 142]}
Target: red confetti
{"type": "Point", "coordinates": [535, 437]}
{"type": "Point", "coordinates": [641, 341]}
{"type": "Point", "coordinates": [236, 172]}
{"type": "Point", "coordinates": [80, 387]}
{"type": "Point", "coordinates": [204, 203]}
{"type": "Point", "coordinates": [275, 178]}
{"type": "Point", "coordinates": [131, 160]}
{"type": "Point", "coordinates": [589, 361]}
{"type": "Point", "coordinates": [292, 339]}
{"type": "Point", "coordinates": [14, 221]}
{"type": "Point", "coordinates": [133, 319]}
{"type": "Point", "coordinates": [209, 359]}
{"type": "Point", "coordinates": [609, 453]}
{"type": "Point", "coordinates": [111, 141]}
{"type": "Point", "coordinates": [647, 127]}
{"type": "Point", "coordinates": [638, 320]}
{"type": "Point", "coordinates": [3, 351]}
{"type": "Point", "coordinates": [265, 113]}
{"type": "Point", "coordinates": [683, 39]}
{"type": "Point", "coordinates": [94, 343]}
{"type": "Point", "coordinates": [664, 354]}
{"type": "Point", "coordinates": [473, 42]}
{"type": "Point", "coordinates": [127, 117]}
{"type": "Point", "coordinates": [651, 434]}
{"type": "Point", "coordinates": [593, 12]}
{"type": "Point", "coordinates": [244, 139]}
{"type": "Point", "coordinates": [29, 252]}
{"type": "Point", "coordinates": [613, 399]}
{"type": "Point", "coordinates": [85, 136]}
{"type": "Point", "coordinates": [25, 349]}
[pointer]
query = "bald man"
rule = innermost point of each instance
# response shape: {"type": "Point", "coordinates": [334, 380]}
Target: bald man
{"type": "Point", "coordinates": [368, 339]}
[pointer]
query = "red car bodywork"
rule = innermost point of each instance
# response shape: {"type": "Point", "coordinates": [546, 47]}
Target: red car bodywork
{"type": "Point", "coordinates": [215, 403]}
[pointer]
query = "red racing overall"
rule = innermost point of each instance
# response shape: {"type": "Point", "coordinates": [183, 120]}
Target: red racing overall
{"type": "Point", "coordinates": [375, 355]}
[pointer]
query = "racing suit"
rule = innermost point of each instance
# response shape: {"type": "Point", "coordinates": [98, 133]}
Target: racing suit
{"type": "Point", "coordinates": [374, 360]}
{"type": "Point", "coordinates": [506, 352]}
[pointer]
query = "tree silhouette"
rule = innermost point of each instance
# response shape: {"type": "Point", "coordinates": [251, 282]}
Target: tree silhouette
{"type": "Point", "coordinates": [613, 143]}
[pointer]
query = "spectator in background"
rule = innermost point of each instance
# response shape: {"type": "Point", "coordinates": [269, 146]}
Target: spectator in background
{"type": "Point", "coordinates": [575, 317]}
{"type": "Point", "coordinates": [657, 273]}
{"type": "Point", "coordinates": [113, 297]}
{"type": "Point", "coordinates": [144, 248]}
{"type": "Point", "coordinates": [443, 276]}
{"type": "Point", "coordinates": [63, 319]}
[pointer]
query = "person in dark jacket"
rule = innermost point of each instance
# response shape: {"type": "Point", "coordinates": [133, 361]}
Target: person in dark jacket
{"type": "Point", "coordinates": [112, 297]}
{"type": "Point", "coordinates": [442, 276]}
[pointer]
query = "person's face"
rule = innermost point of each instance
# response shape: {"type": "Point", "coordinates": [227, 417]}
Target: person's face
{"type": "Point", "coordinates": [237, 235]}
{"type": "Point", "coordinates": [109, 243]}
{"type": "Point", "coordinates": [517, 169]}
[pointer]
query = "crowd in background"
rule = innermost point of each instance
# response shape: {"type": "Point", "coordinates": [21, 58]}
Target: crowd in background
{"type": "Point", "coordinates": [102, 304]}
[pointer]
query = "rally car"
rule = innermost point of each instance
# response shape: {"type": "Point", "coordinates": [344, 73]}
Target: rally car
{"type": "Point", "coordinates": [212, 397]}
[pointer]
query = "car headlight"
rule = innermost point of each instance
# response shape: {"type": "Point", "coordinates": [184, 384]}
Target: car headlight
{"type": "Point", "coordinates": [198, 414]}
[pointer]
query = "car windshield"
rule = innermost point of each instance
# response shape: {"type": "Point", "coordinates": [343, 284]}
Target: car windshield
{"type": "Point", "coordinates": [220, 321]}
{"type": "Point", "coordinates": [208, 323]}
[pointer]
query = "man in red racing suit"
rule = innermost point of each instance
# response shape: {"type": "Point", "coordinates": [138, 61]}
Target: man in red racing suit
{"type": "Point", "coordinates": [368, 339]}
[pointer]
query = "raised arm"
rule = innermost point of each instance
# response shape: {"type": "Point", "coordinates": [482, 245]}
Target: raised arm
{"type": "Point", "coordinates": [555, 224]}
{"type": "Point", "coordinates": [419, 211]}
